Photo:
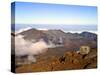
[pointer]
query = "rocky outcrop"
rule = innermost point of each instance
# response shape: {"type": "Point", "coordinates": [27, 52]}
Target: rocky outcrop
{"type": "Point", "coordinates": [69, 61]}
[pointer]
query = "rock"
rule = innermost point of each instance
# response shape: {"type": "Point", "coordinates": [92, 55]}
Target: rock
{"type": "Point", "coordinates": [84, 50]}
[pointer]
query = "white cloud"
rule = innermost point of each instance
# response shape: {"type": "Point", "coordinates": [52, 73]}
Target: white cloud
{"type": "Point", "coordinates": [43, 29]}
{"type": "Point", "coordinates": [23, 29]}
{"type": "Point", "coordinates": [25, 47]}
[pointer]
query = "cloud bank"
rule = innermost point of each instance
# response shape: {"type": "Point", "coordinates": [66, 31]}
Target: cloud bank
{"type": "Point", "coordinates": [25, 47]}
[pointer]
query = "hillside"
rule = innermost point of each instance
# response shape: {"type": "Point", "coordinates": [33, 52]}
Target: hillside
{"type": "Point", "coordinates": [70, 60]}
{"type": "Point", "coordinates": [58, 37]}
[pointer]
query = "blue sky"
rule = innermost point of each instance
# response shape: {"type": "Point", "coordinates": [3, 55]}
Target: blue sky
{"type": "Point", "coordinates": [40, 13]}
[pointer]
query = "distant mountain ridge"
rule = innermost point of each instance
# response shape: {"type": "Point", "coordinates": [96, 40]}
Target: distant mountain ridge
{"type": "Point", "coordinates": [58, 37]}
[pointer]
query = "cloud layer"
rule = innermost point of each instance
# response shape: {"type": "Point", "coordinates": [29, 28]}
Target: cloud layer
{"type": "Point", "coordinates": [25, 47]}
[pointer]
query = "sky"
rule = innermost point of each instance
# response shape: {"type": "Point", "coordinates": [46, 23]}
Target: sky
{"type": "Point", "coordinates": [41, 13]}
